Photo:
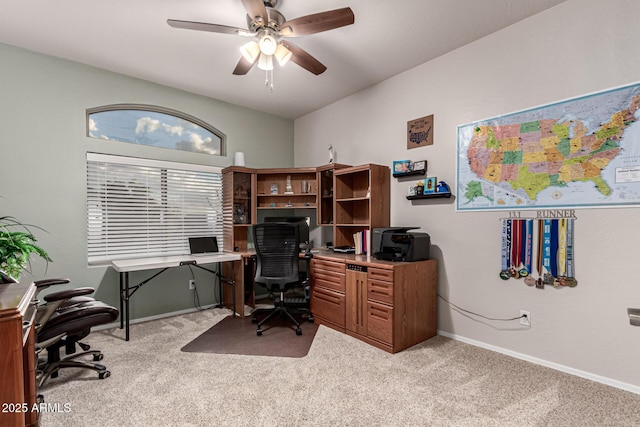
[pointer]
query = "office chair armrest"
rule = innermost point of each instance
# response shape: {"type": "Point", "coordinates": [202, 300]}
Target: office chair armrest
{"type": "Point", "coordinates": [49, 282]}
{"type": "Point", "coordinates": [68, 294]}
{"type": "Point", "coordinates": [45, 283]}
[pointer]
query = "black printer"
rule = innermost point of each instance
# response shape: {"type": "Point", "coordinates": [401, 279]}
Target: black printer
{"type": "Point", "coordinates": [397, 244]}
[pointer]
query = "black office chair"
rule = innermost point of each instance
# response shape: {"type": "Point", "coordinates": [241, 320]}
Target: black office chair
{"type": "Point", "coordinates": [61, 322]}
{"type": "Point", "coordinates": [277, 247]}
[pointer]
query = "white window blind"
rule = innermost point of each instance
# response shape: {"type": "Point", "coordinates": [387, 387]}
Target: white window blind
{"type": "Point", "coordinates": [142, 208]}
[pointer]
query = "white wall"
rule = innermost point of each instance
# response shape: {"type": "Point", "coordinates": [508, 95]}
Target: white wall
{"type": "Point", "coordinates": [578, 47]}
{"type": "Point", "coordinates": [43, 146]}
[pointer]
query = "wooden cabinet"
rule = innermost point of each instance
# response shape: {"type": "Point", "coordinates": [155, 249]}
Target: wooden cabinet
{"type": "Point", "coordinates": [17, 354]}
{"type": "Point", "coordinates": [361, 201]}
{"type": "Point", "coordinates": [237, 206]}
{"type": "Point", "coordinates": [370, 303]}
{"type": "Point", "coordinates": [288, 188]}
{"type": "Point", "coordinates": [356, 300]}
{"type": "Point", "coordinates": [390, 305]}
{"type": "Point", "coordinates": [325, 192]}
{"type": "Point", "coordinates": [358, 199]}
{"type": "Point", "coordinates": [380, 304]}
{"type": "Point", "coordinates": [328, 292]}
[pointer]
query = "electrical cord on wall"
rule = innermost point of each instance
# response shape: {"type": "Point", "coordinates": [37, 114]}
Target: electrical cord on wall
{"type": "Point", "coordinates": [196, 297]}
{"type": "Point", "coordinates": [477, 314]}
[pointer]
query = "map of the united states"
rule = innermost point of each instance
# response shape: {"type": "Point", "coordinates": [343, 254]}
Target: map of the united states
{"type": "Point", "coordinates": [535, 155]}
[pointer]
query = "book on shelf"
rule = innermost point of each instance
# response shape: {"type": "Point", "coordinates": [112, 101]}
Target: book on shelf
{"type": "Point", "coordinates": [362, 242]}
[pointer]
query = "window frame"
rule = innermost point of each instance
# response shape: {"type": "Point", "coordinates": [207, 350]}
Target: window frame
{"type": "Point", "coordinates": [161, 110]}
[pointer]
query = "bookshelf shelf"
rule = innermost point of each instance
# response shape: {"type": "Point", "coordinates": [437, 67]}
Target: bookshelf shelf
{"type": "Point", "coordinates": [361, 201]}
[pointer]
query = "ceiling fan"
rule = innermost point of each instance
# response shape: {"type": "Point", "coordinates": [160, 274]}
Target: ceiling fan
{"type": "Point", "coordinates": [269, 28]}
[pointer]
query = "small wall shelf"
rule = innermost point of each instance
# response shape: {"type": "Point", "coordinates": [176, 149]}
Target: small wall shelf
{"type": "Point", "coordinates": [421, 172]}
{"type": "Point", "coordinates": [429, 196]}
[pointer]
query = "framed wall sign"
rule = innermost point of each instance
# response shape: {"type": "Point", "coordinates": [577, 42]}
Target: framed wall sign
{"type": "Point", "coordinates": [420, 132]}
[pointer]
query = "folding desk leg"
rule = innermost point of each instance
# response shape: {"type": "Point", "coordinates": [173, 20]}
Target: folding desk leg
{"type": "Point", "coordinates": [126, 304]}
{"type": "Point", "coordinates": [121, 300]}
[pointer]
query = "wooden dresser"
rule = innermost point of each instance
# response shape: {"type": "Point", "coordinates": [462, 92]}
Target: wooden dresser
{"type": "Point", "coordinates": [17, 355]}
{"type": "Point", "coordinates": [390, 305]}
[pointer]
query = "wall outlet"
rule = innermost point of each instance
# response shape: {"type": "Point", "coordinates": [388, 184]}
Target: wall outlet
{"type": "Point", "coordinates": [192, 284]}
{"type": "Point", "coordinates": [525, 319]}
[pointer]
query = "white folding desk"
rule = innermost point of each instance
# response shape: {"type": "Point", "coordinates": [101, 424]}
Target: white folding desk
{"type": "Point", "coordinates": [125, 266]}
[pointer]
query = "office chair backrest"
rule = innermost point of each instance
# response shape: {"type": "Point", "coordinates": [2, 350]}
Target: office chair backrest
{"type": "Point", "coordinates": [277, 245]}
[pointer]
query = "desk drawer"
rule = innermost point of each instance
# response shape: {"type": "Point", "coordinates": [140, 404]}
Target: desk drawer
{"type": "Point", "coordinates": [380, 291]}
{"type": "Point", "coordinates": [324, 265]}
{"type": "Point", "coordinates": [329, 280]}
{"type": "Point", "coordinates": [328, 304]}
{"type": "Point", "coordinates": [380, 274]}
{"type": "Point", "coordinates": [380, 322]}
{"type": "Point", "coordinates": [330, 275]}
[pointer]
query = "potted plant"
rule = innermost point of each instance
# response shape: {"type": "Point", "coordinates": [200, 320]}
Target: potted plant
{"type": "Point", "coordinates": [17, 244]}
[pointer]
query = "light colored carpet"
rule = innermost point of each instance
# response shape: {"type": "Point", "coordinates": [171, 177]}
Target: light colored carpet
{"type": "Point", "coordinates": [342, 381]}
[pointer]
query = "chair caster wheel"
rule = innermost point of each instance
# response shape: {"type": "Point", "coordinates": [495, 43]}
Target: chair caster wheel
{"type": "Point", "coordinates": [103, 375]}
{"type": "Point", "coordinates": [298, 331]}
{"type": "Point", "coordinates": [254, 319]}
{"type": "Point", "coordinates": [98, 357]}
{"type": "Point", "coordinates": [259, 332]}
{"type": "Point", "coordinates": [310, 319]}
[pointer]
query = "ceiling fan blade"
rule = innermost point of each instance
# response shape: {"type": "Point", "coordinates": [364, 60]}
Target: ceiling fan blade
{"type": "Point", "coordinates": [304, 59]}
{"type": "Point", "coordinates": [243, 67]}
{"type": "Point", "coordinates": [256, 10]}
{"type": "Point", "coordinates": [202, 26]}
{"type": "Point", "coordinates": [318, 22]}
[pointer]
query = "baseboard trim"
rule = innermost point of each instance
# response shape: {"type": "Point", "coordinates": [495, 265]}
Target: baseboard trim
{"type": "Point", "coordinates": [558, 367]}
{"type": "Point", "coordinates": [155, 317]}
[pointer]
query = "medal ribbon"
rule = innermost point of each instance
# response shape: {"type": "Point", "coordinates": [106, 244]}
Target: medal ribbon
{"type": "Point", "coordinates": [509, 226]}
{"type": "Point", "coordinates": [504, 259]}
{"type": "Point", "coordinates": [546, 245]}
{"type": "Point", "coordinates": [540, 251]}
{"type": "Point", "coordinates": [516, 247]}
{"type": "Point", "coordinates": [570, 248]}
{"type": "Point", "coordinates": [528, 245]}
{"type": "Point", "coordinates": [554, 248]}
{"type": "Point", "coordinates": [562, 248]}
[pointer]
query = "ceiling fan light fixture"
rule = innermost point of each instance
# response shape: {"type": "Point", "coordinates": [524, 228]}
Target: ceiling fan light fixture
{"type": "Point", "coordinates": [283, 55]}
{"type": "Point", "coordinates": [265, 62]}
{"type": "Point", "coordinates": [268, 44]}
{"type": "Point", "coordinates": [250, 51]}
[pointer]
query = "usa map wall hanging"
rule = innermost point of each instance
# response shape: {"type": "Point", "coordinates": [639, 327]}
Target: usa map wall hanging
{"type": "Point", "coordinates": [581, 152]}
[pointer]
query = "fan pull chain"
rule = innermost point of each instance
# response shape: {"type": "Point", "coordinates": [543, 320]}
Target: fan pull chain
{"type": "Point", "coordinates": [268, 79]}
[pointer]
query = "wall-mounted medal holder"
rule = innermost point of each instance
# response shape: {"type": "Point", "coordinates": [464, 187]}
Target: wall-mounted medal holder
{"type": "Point", "coordinates": [540, 249]}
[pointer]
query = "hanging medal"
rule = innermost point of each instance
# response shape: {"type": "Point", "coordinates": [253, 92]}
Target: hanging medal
{"type": "Point", "coordinates": [516, 248]}
{"type": "Point", "coordinates": [506, 250]}
{"type": "Point", "coordinates": [539, 253]}
{"type": "Point", "coordinates": [528, 254]}
{"type": "Point", "coordinates": [554, 253]}
{"type": "Point", "coordinates": [570, 280]}
{"type": "Point", "coordinates": [547, 278]}
{"type": "Point", "coordinates": [562, 252]}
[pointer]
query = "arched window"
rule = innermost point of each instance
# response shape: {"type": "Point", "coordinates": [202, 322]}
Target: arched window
{"type": "Point", "coordinates": [154, 126]}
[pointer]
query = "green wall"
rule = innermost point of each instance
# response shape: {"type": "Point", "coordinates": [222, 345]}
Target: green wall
{"type": "Point", "coordinates": [43, 142]}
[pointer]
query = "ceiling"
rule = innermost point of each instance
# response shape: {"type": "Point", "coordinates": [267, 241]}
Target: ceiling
{"type": "Point", "coordinates": [132, 37]}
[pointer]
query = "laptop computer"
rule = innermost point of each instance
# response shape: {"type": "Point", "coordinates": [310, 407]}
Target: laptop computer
{"type": "Point", "coordinates": [203, 245]}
